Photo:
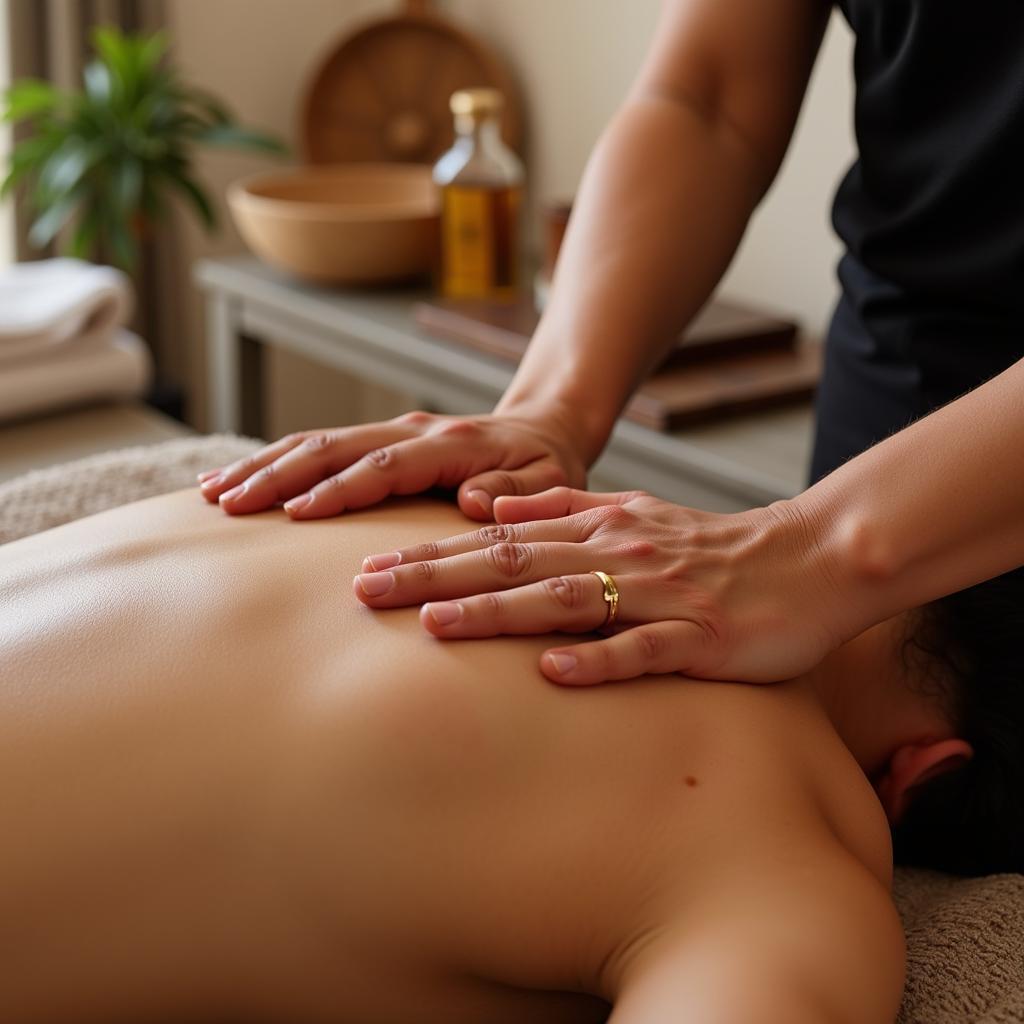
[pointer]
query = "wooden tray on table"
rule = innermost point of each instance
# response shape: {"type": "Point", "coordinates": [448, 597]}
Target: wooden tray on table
{"type": "Point", "coordinates": [731, 359]}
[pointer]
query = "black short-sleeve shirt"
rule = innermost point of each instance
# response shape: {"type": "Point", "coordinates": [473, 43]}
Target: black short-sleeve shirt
{"type": "Point", "coordinates": [931, 214]}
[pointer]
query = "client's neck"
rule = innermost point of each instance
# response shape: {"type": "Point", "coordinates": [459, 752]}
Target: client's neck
{"type": "Point", "coordinates": [862, 687]}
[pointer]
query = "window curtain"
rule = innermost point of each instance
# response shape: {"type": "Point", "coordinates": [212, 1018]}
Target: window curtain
{"type": "Point", "coordinates": [49, 39]}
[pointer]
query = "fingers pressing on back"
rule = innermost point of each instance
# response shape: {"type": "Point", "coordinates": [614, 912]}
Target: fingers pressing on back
{"type": "Point", "coordinates": [294, 470]}
{"type": "Point", "coordinates": [556, 502]}
{"type": "Point", "coordinates": [653, 648]}
{"type": "Point", "coordinates": [478, 494]}
{"type": "Point", "coordinates": [216, 482]}
{"type": "Point", "coordinates": [408, 466]}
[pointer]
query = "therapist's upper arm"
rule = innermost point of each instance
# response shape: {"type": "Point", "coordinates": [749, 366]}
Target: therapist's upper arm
{"type": "Point", "coordinates": [742, 63]}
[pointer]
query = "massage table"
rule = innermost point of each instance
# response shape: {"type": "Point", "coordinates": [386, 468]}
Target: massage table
{"type": "Point", "coordinates": [965, 937]}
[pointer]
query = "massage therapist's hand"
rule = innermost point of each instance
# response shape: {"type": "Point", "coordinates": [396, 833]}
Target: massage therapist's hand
{"type": "Point", "coordinates": [739, 597]}
{"type": "Point", "coordinates": [320, 473]}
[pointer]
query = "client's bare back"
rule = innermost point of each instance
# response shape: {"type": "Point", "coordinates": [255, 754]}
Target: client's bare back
{"type": "Point", "coordinates": [226, 787]}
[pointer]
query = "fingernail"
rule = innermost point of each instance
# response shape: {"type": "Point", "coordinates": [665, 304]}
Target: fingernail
{"type": "Point", "coordinates": [235, 492]}
{"type": "Point", "coordinates": [561, 663]}
{"type": "Point", "coordinates": [376, 583]}
{"type": "Point", "coordinates": [298, 504]}
{"type": "Point", "coordinates": [378, 562]}
{"type": "Point", "coordinates": [211, 479]}
{"type": "Point", "coordinates": [444, 613]}
{"type": "Point", "coordinates": [209, 474]}
{"type": "Point", "coordinates": [483, 499]}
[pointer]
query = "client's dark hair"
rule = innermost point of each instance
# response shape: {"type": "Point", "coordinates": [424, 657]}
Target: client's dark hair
{"type": "Point", "coordinates": [970, 821]}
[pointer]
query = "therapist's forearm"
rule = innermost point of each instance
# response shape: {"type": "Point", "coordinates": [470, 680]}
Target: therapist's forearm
{"type": "Point", "coordinates": [661, 209]}
{"type": "Point", "coordinates": [933, 509]}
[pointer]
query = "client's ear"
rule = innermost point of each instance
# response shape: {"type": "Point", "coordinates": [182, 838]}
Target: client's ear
{"type": "Point", "coordinates": [914, 764]}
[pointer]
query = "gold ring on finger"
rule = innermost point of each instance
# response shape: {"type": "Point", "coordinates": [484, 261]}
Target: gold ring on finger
{"type": "Point", "coordinates": [610, 596]}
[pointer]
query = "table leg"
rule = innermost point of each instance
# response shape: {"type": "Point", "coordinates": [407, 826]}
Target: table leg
{"type": "Point", "coordinates": [251, 377]}
{"type": "Point", "coordinates": [224, 364]}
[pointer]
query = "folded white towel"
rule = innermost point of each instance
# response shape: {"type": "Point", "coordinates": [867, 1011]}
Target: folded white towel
{"type": "Point", "coordinates": [48, 304]}
{"type": "Point", "coordinates": [120, 367]}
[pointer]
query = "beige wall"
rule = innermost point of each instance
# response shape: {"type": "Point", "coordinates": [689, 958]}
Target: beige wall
{"type": "Point", "coordinates": [574, 60]}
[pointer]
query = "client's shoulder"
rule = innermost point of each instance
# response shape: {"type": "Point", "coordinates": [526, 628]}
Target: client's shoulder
{"type": "Point", "coordinates": [803, 788]}
{"type": "Point", "coordinates": [850, 809]}
{"type": "Point", "coordinates": [818, 780]}
{"type": "Point", "coordinates": [814, 938]}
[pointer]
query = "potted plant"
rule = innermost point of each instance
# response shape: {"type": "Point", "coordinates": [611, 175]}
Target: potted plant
{"type": "Point", "coordinates": [106, 157]}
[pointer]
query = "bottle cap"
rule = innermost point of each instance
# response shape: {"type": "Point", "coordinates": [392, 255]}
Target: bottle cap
{"type": "Point", "coordinates": [474, 102]}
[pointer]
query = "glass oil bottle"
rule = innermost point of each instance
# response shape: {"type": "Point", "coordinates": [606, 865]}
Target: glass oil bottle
{"type": "Point", "coordinates": [481, 183]}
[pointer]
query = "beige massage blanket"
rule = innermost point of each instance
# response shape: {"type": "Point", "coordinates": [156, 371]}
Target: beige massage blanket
{"type": "Point", "coordinates": [965, 937]}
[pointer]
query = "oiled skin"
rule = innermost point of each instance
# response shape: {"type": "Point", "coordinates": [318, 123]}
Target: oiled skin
{"type": "Point", "coordinates": [230, 791]}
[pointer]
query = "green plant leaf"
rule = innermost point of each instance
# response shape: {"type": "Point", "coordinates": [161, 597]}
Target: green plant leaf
{"type": "Point", "coordinates": [245, 138]}
{"type": "Point", "coordinates": [208, 104]}
{"type": "Point", "coordinates": [27, 157]}
{"type": "Point", "coordinates": [119, 52]}
{"type": "Point", "coordinates": [126, 186]}
{"type": "Point", "coordinates": [107, 42]}
{"type": "Point", "coordinates": [186, 124]}
{"type": "Point", "coordinates": [98, 85]}
{"type": "Point", "coordinates": [122, 244]}
{"type": "Point", "coordinates": [154, 114]}
{"type": "Point", "coordinates": [89, 119]}
{"type": "Point", "coordinates": [197, 196]}
{"type": "Point", "coordinates": [111, 44]}
{"type": "Point", "coordinates": [153, 48]}
{"type": "Point", "coordinates": [113, 149]}
{"type": "Point", "coordinates": [11, 179]}
{"type": "Point", "coordinates": [83, 241]}
{"type": "Point", "coordinates": [67, 165]}
{"type": "Point", "coordinates": [30, 97]}
{"type": "Point", "coordinates": [45, 228]}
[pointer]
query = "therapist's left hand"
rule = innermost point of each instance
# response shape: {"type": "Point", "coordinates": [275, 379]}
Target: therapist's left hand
{"type": "Point", "coordinates": [741, 596]}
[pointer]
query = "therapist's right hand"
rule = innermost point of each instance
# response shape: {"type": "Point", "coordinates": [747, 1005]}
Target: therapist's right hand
{"type": "Point", "coordinates": [318, 473]}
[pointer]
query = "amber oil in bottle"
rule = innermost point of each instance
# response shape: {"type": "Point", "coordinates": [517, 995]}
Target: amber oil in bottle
{"type": "Point", "coordinates": [481, 183]}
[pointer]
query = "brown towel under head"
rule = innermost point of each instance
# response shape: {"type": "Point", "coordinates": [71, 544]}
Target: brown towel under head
{"type": "Point", "coordinates": [965, 948]}
{"type": "Point", "coordinates": [965, 937]}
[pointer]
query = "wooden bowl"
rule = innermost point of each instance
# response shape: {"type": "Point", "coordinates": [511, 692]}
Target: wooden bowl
{"type": "Point", "coordinates": [341, 224]}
